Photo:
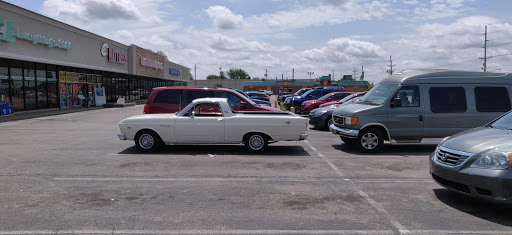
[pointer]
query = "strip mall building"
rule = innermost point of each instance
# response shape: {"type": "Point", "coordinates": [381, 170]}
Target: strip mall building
{"type": "Point", "coordinates": [46, 64]}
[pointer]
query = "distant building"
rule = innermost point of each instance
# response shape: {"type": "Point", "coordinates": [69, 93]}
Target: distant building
{"type": "Point", "coordinates": [293, 85]}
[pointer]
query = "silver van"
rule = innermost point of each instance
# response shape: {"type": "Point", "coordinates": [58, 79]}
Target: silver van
{"type": "Point", "coordinates": [417, 104]}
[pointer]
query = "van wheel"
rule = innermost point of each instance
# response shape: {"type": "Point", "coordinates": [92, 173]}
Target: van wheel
{"type": "Point", "coordinates": [256, 142]}
{"type": "Point", "coordinates": [370, 140]}
{"type": "Point", "coordinates": [147, 141]}
{"type": "Point", "coordinates": [348, 141]}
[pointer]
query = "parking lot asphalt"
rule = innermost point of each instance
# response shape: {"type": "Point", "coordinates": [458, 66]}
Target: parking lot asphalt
{"type": "Point", "coordinates": [70, 173]}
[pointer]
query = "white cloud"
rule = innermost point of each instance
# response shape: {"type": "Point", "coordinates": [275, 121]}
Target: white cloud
{"type": "Point", "coordinates": [344, 50]}
{"type": "Point", "coordinates": [223, 18]}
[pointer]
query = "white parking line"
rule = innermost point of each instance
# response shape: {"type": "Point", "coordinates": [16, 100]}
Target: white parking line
{"type": "Point", "coordinates": [199, 232]}
{"type": "Point", "coordinates": [254, 179]}
{"type": "Point", "coordinates": [459, 232]}
{"type": "Point", "coordinates": [401, 229]}
{"type": "Point", "coordinates": [31, 120]}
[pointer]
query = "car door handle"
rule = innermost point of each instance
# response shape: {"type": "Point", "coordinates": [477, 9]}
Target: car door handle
{"type": "Point", "coordinates": [421, 118]}
{"type": "Point", "coordinates": [220, 119]}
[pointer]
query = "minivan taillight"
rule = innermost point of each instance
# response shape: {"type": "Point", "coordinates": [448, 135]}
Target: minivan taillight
{"type": "Point", "coordinates": [146, 109]}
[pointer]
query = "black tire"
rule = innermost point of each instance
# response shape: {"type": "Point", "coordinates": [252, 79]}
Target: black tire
{"type": "Point", "coordinates": [256, 142]}
{"type": "Point", "coordinates": [370, 140]}
{"type": "Point", "coordinates": [147, 141]}
{"type": "Point", "coordinates": [328, 123]}
{"type": "Point", "coordinates": [348, 141]}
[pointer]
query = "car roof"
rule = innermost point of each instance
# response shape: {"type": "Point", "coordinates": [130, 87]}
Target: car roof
{"type": "Point", "coordinates": [209, 100]}
{"type": "Point", "coordinates": [425, 76]}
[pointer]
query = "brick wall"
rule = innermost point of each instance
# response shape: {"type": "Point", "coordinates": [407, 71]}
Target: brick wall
{"type": "Point", "coordinates": [148, 71]}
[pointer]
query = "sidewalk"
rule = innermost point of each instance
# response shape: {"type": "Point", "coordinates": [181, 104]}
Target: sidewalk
{"type": "Point", "coordinates": [56, 111]}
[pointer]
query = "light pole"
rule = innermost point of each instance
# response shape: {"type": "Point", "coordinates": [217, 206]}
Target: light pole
{"type": "Point", "coordinates": [195, 75]}
{"type": "Point", "coordinates": [220, 73]}
{"type": "Point", "coordinates": [310, 73]}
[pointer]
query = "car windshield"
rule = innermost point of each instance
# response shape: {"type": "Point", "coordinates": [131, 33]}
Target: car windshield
{"type": "Point", "coordinates": [347, 98]}
{"type": "Point", "coordinates": [504, 122]}
{"type": "Point", "coordinates": [378, 94]}
{"type": "Point", "coordinates": [300, 92]}
{"type": "Point", "coordinates": [325, 97]}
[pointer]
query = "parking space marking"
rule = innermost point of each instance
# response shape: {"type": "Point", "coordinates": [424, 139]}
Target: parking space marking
{"type": "Point", "coordinates": [254, 179]}
{"type": "Point", "coordinates": [459, 232]}
{"type": "Point", "coordinates": [395, 181]}
{"type": "Point", "coordinates": [199, 232]}
{"type": "Point", "coordinates": [32, 120]}
{"type": "Point", "coordinates": [401, 229]}
{"type": "Point", "coordinates": [381, 156]}
{"type": "Point", "coordinates": [338, 171]}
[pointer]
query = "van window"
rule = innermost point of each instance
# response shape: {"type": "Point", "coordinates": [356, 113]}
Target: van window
{"type": "Point", "coordinates": [168, 97]}
{"type": "Point", "coordinates": [409, 96]}
{"type": "Point", "coordinates": [233, 100]}
{"type": "Point", "coordinates": [378, 94]}
{"type": "Point", "coordinates": [313, 94]}
{"type": "Point", "coordinates": [447, 100]}
{"type": "Point", "coordinates": [195, 94]}
{"type": "Point", "coordinates": [492, 99]}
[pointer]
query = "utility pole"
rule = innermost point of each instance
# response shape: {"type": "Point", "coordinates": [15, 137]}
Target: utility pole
{"type": "Point", "coordinates": [390, 70]}
{"type": "Point", "coordinates": [333, 75]}
{"type": "Point", "coordinates": [220, 75]}
{"type": "Point", "coordinates": [355, 74]}
{"type": "Point", "coordinates": [195, 75]}
{"type": "Point", "coordinates": [266, 74]}
{"type": "Point", "coordinates": [362, 73]}
{"type": "Point", "coordinates": [485, 50]}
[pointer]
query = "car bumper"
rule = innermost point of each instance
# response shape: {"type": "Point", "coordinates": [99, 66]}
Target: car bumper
{"type": "Point", "coordinates": [303, 136]}
{"type": "Point", "coordinates": [349, 133]}
{"type": "Point", "coordinates": [487, 184]}
{"type": "Point", "coordinates": [121, 136]}
{"type": "Point", "coordinates": [317, 120]}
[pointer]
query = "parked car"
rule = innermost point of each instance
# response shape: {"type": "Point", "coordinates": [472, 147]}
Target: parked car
{"type": "Point", "coordinates": [258, 95]}
{"type": "Point", "coordinates": [212, 121]}
{"type": "Point", "coordinates": [477, 162]}
{"type": "Point", "coordinates": [267, 92]}
{"type": "Point", "coordinates": [174, 99]}
{"type": "Point", "coordinates": [322, 117]}
{"type": "Point", "coordinates": [309, 105]}
{"type": "Point", "coordinates": [312, 94]}
{"type": "Point", "coordinates": [297, 93]}
{"type": "Point", "coordinates": [282, 95]}
{"type": "Point", "coordinates": [419, 104]}
{"type": "Point", "coordinates": [348, 99]}
{"type": "Point", "coordinates": [260, 102]}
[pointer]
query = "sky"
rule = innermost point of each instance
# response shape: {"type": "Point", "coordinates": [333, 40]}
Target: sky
{"type": "Point", "coordinates": [292, 37]}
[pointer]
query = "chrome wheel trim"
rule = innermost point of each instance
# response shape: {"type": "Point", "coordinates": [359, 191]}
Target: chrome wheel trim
{"type": "Point", "coordinates": [369, 141]}
{"type": "Point", "coordinates": [256, 142]}
{"type": "Point", "coordinates": [329, 123]}
{"type": "Point", "coordinates": [146, 141]}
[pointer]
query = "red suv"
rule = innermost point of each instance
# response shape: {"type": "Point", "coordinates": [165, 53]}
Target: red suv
{"type": "Point", "coordinates": [309, 105]}
{"type": "Point", "coordinates": [173, 99]}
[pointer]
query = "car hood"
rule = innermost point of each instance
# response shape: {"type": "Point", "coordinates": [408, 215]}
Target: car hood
{"type": "Point", "coordinates": [348, 110]}
{"type": "Point", "coordinates": [479, 139]}
{"type": "Point", "coordinates": [328, 108]}
{"type": "Point", "coordinates": [313, 101]}
{"type": "Point", "coordinates": [330, 103]}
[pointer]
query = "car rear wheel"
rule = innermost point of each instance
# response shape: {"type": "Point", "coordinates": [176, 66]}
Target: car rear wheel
{"type": "Point", "coordinates": [147, 141]}
{"type": "Point", "coordinates": [370, 140]}
{"type": "Point", "coordinates": [256, 142]}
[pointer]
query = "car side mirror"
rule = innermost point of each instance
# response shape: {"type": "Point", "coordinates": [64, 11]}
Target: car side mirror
{"type": "Point", "coordinates": [243, 105]}
{"type": "Point", "coordinates": [396, 102]}
{"type": "Point", "coordinates": [193, 114]}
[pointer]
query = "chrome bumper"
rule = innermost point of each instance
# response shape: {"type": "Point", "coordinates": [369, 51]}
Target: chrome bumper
{"type": "Point", "coordinates": [121, 136]}
{"type": "Point", "coordinates": [303, 136]}
{"type": "Point", "coordinates": [349, 133]}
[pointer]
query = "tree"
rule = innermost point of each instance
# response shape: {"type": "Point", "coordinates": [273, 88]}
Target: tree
{"type": "Point", "coordinates": [191, 78]}
{"type": "Point", "coordinates": [222, 75]}
{"type": "Point", "coordinates": [211, 76]}
{"type": "Point", "coordinates": [162, 54]}
{"type": "Point", "coordinates": [235, 73]}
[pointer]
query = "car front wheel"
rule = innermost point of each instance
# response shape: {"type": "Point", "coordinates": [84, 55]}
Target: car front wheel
{"type": "Point", "coordinates": [328, 123]}
{"type": "Point", "coordinates": [370, 140]}
{"type": "Point", "coordinates": [147, 141]}
{"type": "Point", "coordinates": [256, 142]}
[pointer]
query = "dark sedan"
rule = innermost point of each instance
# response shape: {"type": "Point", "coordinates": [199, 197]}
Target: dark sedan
{"type": "Point", "coordinates": [477, 162]}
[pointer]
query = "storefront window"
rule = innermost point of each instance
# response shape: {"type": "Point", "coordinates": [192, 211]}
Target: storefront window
{"type": "Point", "coordinates": [17, 86]}
{"type": "Point", "coordinates": [51, 77]}
{"type": "Point", "coordinates": [29, 73]}
{"type": "Point", "coordinates": [41, 87]}
{"type": "Point", "coordinates": [4, 82]}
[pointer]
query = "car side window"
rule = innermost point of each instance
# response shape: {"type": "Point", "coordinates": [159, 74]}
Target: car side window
{"type": "Point", "coordinates": [492, 99]}
{"type": "Point", "coordinates": [207, 110]}
{"type": "Point", "coordinates": [409, 96]}
{"type": "Point", "coordinates": [233, 100]}
{"type": "Point", "coordinates": [195, 94]}
{"type": "Point", "coordinates": [447, 99]}
{"type": "Point", "coordinates": [315, 94]}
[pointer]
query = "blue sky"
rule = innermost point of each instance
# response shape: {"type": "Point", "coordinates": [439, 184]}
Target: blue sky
{"type": "Point", "coordinates": [320, 36]}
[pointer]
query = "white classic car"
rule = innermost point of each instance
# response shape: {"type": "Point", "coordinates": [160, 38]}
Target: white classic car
{"type": "Point", "coordinates": [212, 121]}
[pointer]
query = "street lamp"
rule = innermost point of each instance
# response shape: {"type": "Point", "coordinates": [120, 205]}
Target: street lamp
{"type": "Point", "coordinates": [310, 73]}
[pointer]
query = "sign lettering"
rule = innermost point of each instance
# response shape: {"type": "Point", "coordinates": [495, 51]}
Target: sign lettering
{"type": "Point", "coordinates": [9, 32]}
{"type": "Point", "coordinates": [174, 71]}
{"type": "Point", "coordinates": [151, 63]}
{"type": "Point", "coordinates": [116, 56]}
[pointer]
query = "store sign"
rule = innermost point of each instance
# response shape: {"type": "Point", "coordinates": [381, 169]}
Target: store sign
{"type": "Point", "coordinates": [151, 63]}
{"type": "Point", "coordinates": [174, 72]}
{"type": "Point", "coordinates": [115, 56]}
{"type": "Point", "coordinates": [9, 32]}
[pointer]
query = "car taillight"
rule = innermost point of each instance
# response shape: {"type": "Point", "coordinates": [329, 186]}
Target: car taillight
{"type": "Point", "coordinates": [146, 109]}
{"type": "Point", "coordinates": [266, 98]}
